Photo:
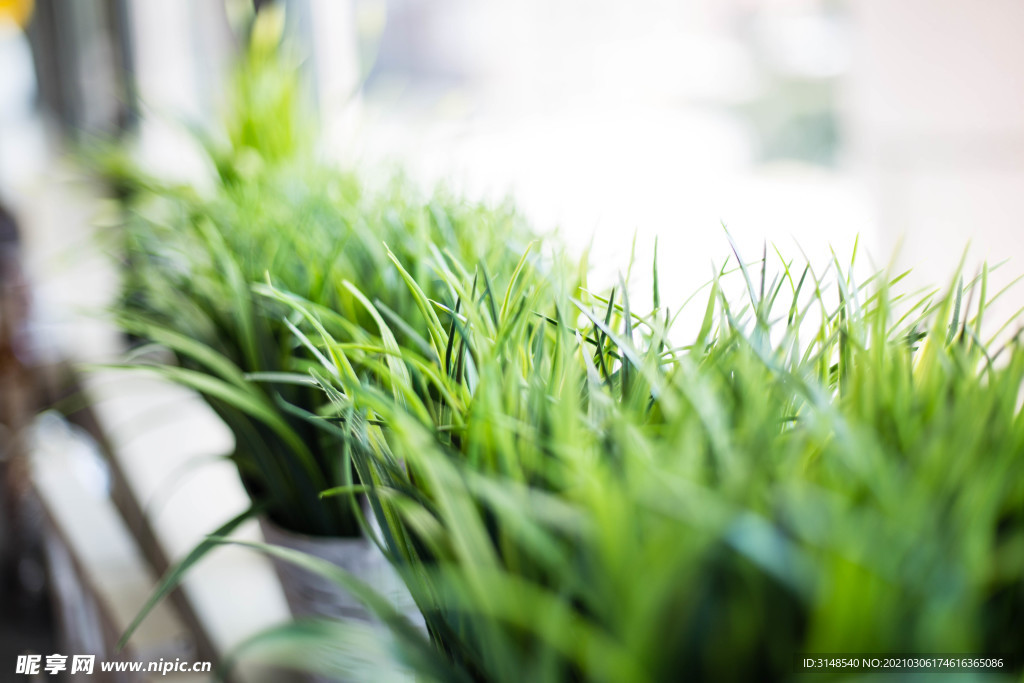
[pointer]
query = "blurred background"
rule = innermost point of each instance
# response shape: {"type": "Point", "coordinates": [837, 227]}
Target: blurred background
{"type": "Point", "coordinates": [812, 121]}
{"type": "Point", "coordinates": [804, 123]}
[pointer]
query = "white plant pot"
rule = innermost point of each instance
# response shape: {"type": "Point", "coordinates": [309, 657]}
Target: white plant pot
{"type": "Point", "coordinates": [313, 595]}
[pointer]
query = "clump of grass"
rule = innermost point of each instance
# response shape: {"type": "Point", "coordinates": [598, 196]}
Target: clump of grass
{"type": "Point", "coordinates": [811, 472]}
{"type": "Point", "coordinates": [191, 257]}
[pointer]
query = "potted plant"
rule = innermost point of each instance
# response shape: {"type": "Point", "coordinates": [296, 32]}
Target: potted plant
{"type": "Point", "coordinates": [823, 467]}
{"type": "Point", "coordinates": [192, 255]}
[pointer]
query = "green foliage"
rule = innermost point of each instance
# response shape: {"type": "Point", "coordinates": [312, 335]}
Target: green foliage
{"type": "Point", "coordinates": [267, 123]}
{"type": "Point", "coordinates": [571, 490]}
{"type": "Point", "coordinates": [827, 467]}
{"type": "Point", "coordinates": [192, 257]}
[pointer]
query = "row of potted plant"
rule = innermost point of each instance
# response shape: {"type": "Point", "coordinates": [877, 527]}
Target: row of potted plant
{"type": "Point", "coordinates": [570, 489]}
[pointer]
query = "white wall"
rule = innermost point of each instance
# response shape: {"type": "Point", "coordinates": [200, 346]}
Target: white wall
{"type": "Point", "coordinates": [936, 111]}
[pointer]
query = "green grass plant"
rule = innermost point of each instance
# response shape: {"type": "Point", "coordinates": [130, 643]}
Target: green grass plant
{"type": "Point", "coordinates": [191, 254]}
{"type": "Point", "coordinates": [823, 466]}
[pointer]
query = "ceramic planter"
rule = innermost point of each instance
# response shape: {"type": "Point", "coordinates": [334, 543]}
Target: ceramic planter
{"type": "Point", "coordinates": [311, 595]}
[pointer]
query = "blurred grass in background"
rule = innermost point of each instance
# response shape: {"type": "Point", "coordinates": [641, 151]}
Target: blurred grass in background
{"type": "Point", "coordinates": [191, 255]}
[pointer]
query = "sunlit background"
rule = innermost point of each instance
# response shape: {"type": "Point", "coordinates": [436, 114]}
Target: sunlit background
{"type": "Point", "coordinates": [800, 123]}
{"type": "Point", "coordinates": [792, 121]}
